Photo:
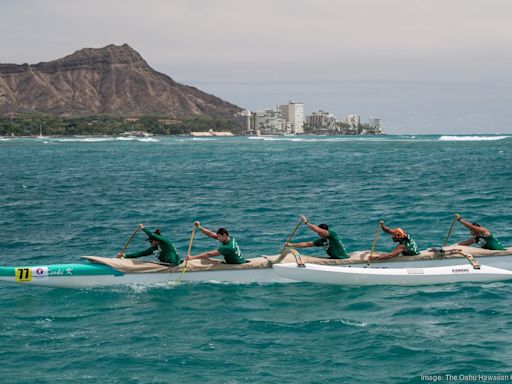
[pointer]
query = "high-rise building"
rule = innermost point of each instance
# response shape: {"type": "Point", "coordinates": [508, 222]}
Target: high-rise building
{"type": "Point", "coordinates": [354, 120]}
{"type": "Point", "coordinates": [375, 125]}
{"type": "Point", "coordinates": [293, 112]}
{"type": "Point", "coordinates": [270, 122]}
{"type": "Point", "coordinates": [247, 120]}
{"type": "Point", "coordinates": [321, 121]}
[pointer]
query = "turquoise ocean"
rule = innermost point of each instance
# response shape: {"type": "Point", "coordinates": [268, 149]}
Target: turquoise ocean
{"type": "Point", "coordinates": [61, 198]}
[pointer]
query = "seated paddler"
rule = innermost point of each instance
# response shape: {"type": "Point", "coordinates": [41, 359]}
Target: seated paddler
{"type": "Point", "coordinates": [167, 252]}
{"type": "Point", "coordinates": [406, 245]}
{"type": "Point", "coordinates": [328, 239]}
{"type": "Point", "coordinates": [480, 236]}
{"type": "Point", "coordinates": [228, 246]}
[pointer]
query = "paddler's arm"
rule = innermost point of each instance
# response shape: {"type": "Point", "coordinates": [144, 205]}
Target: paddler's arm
{"type": "Point", "coordinates": [469, 241]}
{"type": "Point", "coordinates": [321, 232]}
{"type": "Point", "coordinates": [303, 244]}
{"type": "Point", "coordinates": [152, 234]}
{"type": "Point", "coordinates": [385, 229]}
{"type": "Point", "coordinates": [480, 230]}
{"type": "Point", "coordinates": [395, 252]}
{"type": "Point", "coordinates": [205, 255]}
{"type": "Point", "coordinates": [134, 255]}
{"type": "Point", "coordinates": [205, 231]}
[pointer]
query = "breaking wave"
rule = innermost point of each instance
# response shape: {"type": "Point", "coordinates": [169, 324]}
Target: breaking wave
{"type": "Point", "coordinates": [106, 139]}
{"type": "Point", "coordinates": [313, 140]}
{"type": "Point", "coordinates": [472, 138]}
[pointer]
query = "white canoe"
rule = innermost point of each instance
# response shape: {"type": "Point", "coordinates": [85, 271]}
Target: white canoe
{"type": "Point", "coordinates": [357, 275]}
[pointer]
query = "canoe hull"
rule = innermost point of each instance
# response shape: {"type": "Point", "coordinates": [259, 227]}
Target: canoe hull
{"type": "Point", "coordinates": [88, 276]}
{"type": "Point", "coordinates": [360, 276]}
{"type": "Point", "coordinates": [95, 275]}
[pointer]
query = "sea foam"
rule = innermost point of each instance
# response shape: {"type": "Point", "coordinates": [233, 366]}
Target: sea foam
{"type": "Point", "coordinates": [472, 138]}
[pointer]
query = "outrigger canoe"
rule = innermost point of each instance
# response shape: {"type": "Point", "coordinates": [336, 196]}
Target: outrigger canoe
{"type": "Point", "coordinates": [103, 271]}
{"type": "Point", "coordinates": [496, 266]}
{"type": "Point", "coordinates": [451, 264]}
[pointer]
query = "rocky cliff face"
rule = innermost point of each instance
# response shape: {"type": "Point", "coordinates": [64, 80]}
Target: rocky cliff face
{"type": "Point", "coordinates": [112, 80]}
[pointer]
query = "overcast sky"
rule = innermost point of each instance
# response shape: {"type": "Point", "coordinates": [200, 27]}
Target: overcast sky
{"type": "Point", "coordinates": [423, 66]}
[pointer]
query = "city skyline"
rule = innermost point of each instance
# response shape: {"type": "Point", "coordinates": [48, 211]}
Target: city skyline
{"type": "Point", "coordinates": [423, 67]}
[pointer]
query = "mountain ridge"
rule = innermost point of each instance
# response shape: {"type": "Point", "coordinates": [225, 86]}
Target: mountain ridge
{"type": "Point", "coordinates": [110, 80]}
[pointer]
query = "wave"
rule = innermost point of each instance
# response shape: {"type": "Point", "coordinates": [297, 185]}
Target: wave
{"type": "Point", "coordinates": [107, 139]}
{"type": "Point", "coordinates": [4, 139]}
{"type": "Point", "coordinates": [141, 139]}
{"type": "Point", "coordinates": [472, 138]}
{"type": "Point", "coordinates": [351, 323]}
{"type": "Point", "coordinates": [86, 140]}
{"type": "Point", "coordinates": [316, 140]}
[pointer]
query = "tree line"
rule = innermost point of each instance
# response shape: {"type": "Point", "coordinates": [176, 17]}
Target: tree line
{"type": "Point", "coordinates": [33, 125]}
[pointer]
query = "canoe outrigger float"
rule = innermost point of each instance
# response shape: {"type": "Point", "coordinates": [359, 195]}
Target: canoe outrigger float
{"type": "Point", "coordinates": [435, 266]}
{"type": "Point", "coordinates": [446, 265]}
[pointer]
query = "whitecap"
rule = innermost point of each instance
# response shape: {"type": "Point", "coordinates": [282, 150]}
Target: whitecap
{"type": "Point", "coordinates": [472, 138]}
{"type": "Point", "coordinates": [351, 323]}
{"type": "Point", "coordinates": [86, 140]}
{"type": "Point", "coordinates": [316, 139]}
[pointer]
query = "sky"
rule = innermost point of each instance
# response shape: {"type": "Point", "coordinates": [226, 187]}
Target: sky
{"type": "Point", "coordinates": [422, 66]}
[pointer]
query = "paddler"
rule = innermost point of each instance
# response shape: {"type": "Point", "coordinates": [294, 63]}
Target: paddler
{"type": "Point", "coordinates": [229, 247]}
{"type": "Point", "coordinates": [480, 236]}
{"type": "Point", "coordinates": [167, 250]}
{"type": "Point", "coordinates": [329, 240]}
{"type": "Point", "coordinates": [406, 245]}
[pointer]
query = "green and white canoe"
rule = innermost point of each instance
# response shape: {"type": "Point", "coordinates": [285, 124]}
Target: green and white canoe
{"type": "Point", "coordinates": [102, 271]}
{"type": "Point", "coordinates": [110, 272]}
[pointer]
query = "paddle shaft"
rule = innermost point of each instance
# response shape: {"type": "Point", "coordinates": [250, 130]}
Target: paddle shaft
{"type": "Point", "coordinates": [178, 280]}
{"type": "Point", "coordinates": [375, 238]}
{"type": "Point", "coordinates": [190, 242]}
{"type": "Point", "coordinates": [449, 232]}
{"type": "Point", "coordinates": [129, 240]}
{"type": "Point", "coordinates": [292, 234]}
{"type": "Point", "coordinates": [282, 255]}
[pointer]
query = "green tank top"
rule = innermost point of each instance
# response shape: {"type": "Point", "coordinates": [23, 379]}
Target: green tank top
{"type": "Point", "coordinates": [231, 252]}
{"type": "Point", "coordinates": [333, 246]}
{"type": "Point", "coordinates": [411, 249]}
{"type": "Point", "coordinates": [490, 242]}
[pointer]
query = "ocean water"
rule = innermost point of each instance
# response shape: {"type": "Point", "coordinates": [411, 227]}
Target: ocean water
{"type": "Point", "coordinates": [61, 198]}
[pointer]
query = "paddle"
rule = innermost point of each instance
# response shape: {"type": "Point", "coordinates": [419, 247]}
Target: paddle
{"type": "Point", "coordinates": [375, 238]}
{"type": "Point", "coordinates": [130, 239]}
{"type": "Point", "coordinates": [450, 231]}
{"type": "Point", "coordinates": [282, 256]}
{"type": "Point", "coordinates": [188, 255]}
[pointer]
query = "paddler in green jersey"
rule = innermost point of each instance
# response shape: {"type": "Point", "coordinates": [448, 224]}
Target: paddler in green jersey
{"type": "Point", "coordinates": [167, 250]}
{"type": "Point", "coordinates": [406, 245]}
{"type": "Point", "coordinates": [229, 247]}
{"type": "Point", "coordinates": [480, 236]}
{"type": "Point", "coordinates": [329, 240]}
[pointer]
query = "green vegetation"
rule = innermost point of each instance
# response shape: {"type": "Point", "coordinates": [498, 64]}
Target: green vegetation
{"type": "Point", "coordinates": [27, 125]}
